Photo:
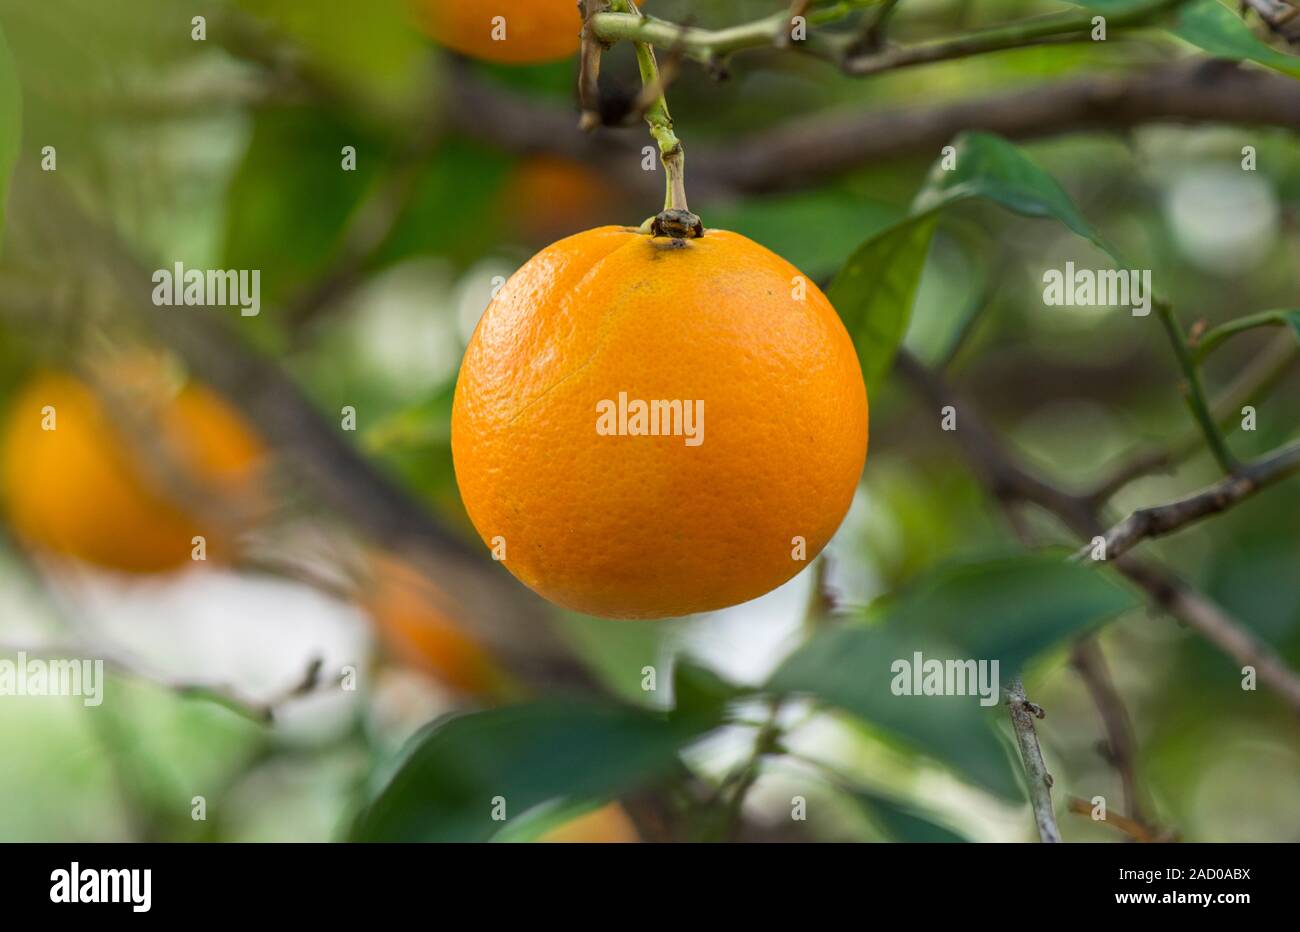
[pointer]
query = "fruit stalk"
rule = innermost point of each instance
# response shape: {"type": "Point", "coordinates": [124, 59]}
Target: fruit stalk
{"type": "Point", "coordinates": [671, 153]}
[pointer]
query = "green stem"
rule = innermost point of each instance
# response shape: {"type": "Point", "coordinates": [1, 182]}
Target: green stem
{"type": "Point", "coordinates": [1212, 338]}
{"type": "Point", "coordinates": [709, 44]}
{"type": "Point", "coordinates": [657, 116]}
{"type": "Point", "coordinates": [1194, 390]}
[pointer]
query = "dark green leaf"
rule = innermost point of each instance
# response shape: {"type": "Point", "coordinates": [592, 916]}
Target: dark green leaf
{"type": "Point", "coordinates": [1006, 610]}
{"type": "Point", "coordinates": [529, 754]}
{"type": "Point", "coordinates": [1009, 609]}
{"type": "Point", "coordinates": [875, 290]}
{"type": "Point", "coordinates": [850, 667]}
{"type": "Point", "coordinates": [699, 692]}
{"type": "Point", "coordinates": [903, 822]}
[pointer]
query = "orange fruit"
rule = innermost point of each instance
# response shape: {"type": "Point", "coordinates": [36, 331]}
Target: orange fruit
{"type": "Point", "coordinates": [597, 512]}
{"type": "Point", "coordinates": [548, 196]}
{"type": "Point", "coordinates": [513, 32]}
{"type": "Point", "coordinates": [126, 499]}
{"type": "Point", "coordinates": [418, 625]}
{"type": "Point", "coordinates": [606, 825]}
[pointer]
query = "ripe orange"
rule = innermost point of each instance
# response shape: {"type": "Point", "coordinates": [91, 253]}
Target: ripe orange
{"type": "Point", "coordinates": [606, 825]}
{"type": "Point", "coordinates": [643, 526]}
{"type": "Point", "coordinates": [126, 499]}
{"type": "Point", "coordinates": [418, 625]}
{"type": "Point", "coordinates": [534, 30]}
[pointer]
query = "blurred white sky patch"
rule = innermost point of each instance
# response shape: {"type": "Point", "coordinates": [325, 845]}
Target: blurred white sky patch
{"type": "Point", "coordinates": [403, 329]}
{"type": "Point", "coordinates": [255, 635]}
{"type": "Point", "coordinates": [1223, 219]}
{"type": "Point", "coordinates": [745, 642]}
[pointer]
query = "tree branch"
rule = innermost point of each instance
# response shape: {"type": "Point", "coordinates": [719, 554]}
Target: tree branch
{"type": "Point", "coordinates": [1161, 520]}
{"type": "Point", "coordinates": [1008, 481]}
{"type": "Point", "coordinates": [1120, 746]}
{"type": "Point", "coordinates": [1256, 378]}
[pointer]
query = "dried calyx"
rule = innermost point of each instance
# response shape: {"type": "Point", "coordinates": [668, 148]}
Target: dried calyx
{"type": "Point", "coordinates": [676, 223]}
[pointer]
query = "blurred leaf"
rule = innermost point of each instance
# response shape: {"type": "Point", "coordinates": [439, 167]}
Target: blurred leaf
{"type": "Point", "coordinates": [529, 754]}
{"type": "Point", "coordinates": [287, 209]}
{"type": "Point", "coordinates": [11, 120]}
{"type": "Point", "coordinates": [1009, 609]}
{"type": "Point", "coordinates": [875, 290]}
{"type": "Point", "coordinates": [376, 51]}
{"type": "Point", "coordinates": [849, 667]}
{"type": "Point", "coordinates": [699, 692]}
{"type": "Point", "coordinates": [455, 210]}
{"type": "Point", "coordinates": [903, 822]}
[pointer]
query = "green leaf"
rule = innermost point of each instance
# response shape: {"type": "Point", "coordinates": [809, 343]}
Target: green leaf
{"type": "Point", "coordinates": [1211, 26]}
{"type": "Point", "coordinates": [876, 288]}
{"type": "Point", "coordinates": [11, 120]}
{"type": "Point", "coordinates": [1009, 609]}
{"type": "Point", "coordinates": [903, 822]}
{"type": "Point", "coordinates": [545, 752]}
{"type": "Point", "coordinates": [990, 167]}
{"type": "Point", "coordinates": [849, 667]}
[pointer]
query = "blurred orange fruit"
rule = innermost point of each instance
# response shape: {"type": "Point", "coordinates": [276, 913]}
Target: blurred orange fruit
{"type": "Point", "coordinates": [597, 512]}
{"type": "Point", "coordinates": [418, 625]}
{"type": "Point", "coordinates": [128, 498]}
{"type": "Point", "coordinates": [513, 32]}
{"type": "Point", "coordinates": [606, 825]}
{"type": "Point", "coordinates": [547, 197]}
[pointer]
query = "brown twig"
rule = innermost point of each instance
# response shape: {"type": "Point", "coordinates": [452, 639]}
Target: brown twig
{"type": "Point", "coordinates": [1161, 520]}
{"type": "Point", "coordinates": [1120, 747]}
{"type": "Point", "coordinates": [1037, 779]}
{"type": "Point", "coordinates": [1133, 828]}
{"type": "Point", "coordinates": [589, 66]}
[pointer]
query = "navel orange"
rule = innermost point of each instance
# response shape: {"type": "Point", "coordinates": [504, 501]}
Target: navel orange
{"type": "Point", "coordinates": [650, 427]}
